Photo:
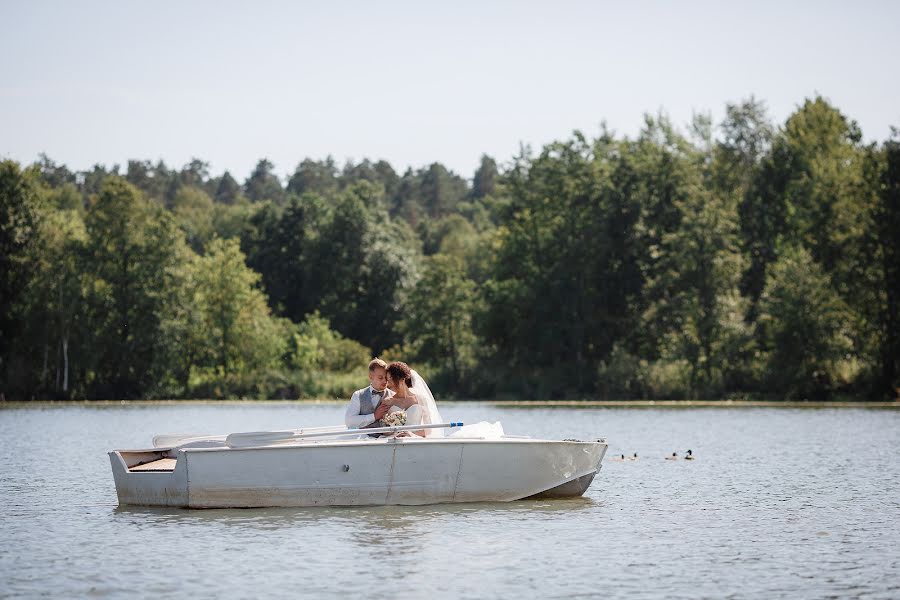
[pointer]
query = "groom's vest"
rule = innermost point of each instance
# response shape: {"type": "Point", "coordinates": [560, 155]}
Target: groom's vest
{"type": "Point", "coordinates": [366, 407]}
{"type": "Point", "coordinates": [365, 401]}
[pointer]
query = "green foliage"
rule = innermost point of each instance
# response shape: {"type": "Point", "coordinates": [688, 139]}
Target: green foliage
{"type": "Point", "coordinates": [193, 212]}
{"type": "Point", "coordinates": [429, 193]}
{"type": "Point", "coordinates": [232, 220]}
{"type": "Point", "coordinates": [20, 210]}
{"type": "Point", "coordinates": [317, 347]}
{"type": "Point", "coordinates": [55, 312]}
{"type": "Point", "coordinates": [228, 191]}
{"type": "Point", "coordinates": [348, 260]}
{"type": "Point", "coordinates": [263, 184]}
{"type": "Point", "coordinates": [871, 265]}
{"type": "Point", "coordinates": [740, 259]}
{"type": "Point", "coordinates": [157, 182]}
{"type": "Point", "coordinates": [242, 341]}
{"type": "Point", "coordinates": [314, 177]}
{"type": "Point", "coordinates": [322, 362]}
{"type": "Point", "coordinates": [695, 309]}
{"type": "Point", "coordinates": [566, 273]}
{"type": "Point", "coordinates": [453, 235]}
{"type": "Point", "coordinates": [746, 139]}
{"type": "Point", "coordinates": [805, 328]}
{"type": "Point", "coordinates": [372, 265]}
{"type": "Point", "coordinates": [235, 316]}
{"type": "Point", "coordinates": [801, 189]}
{"type": "Point", "coordinates": [485, 181]}
{"type": "Point", "coordinates": [438, 319]}
{"type": "Point", "coordinates": [887, 227]}
{"type": "Point", "coordinates": [130, 254]}
{"type": "Point", "coordinates": [277, 246]}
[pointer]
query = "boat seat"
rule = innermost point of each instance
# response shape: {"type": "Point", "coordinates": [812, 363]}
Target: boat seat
{"type": "Point", "coordinates": [165, 465]}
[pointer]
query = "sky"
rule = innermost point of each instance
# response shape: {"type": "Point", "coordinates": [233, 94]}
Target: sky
{"type": "Point", "coordinates": [415, 82]}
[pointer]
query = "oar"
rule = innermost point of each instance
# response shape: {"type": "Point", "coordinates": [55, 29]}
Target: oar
{"type": "Point", "coordinates": [262, 438]}
{"type": "Point", "coordinates": [167, 440]}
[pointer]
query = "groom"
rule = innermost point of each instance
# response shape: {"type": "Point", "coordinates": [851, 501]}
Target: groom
{"type": "Point", "coordinates": [363, 410]}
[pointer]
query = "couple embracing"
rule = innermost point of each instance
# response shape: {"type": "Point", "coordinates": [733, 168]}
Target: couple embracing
{"type": "Point", "coordinates": [393, 389]}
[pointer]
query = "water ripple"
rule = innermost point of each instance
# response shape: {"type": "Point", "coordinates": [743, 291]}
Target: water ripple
{"type": "Point", "coordinates": [779, 503]}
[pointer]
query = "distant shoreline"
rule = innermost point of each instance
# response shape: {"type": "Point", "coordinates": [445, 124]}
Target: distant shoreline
{"type": "Point", "coordinates": [699, 403]}
{"type": "Point", "coordinates": [503, 403]}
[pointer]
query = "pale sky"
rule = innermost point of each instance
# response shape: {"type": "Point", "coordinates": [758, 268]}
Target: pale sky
{"type": "Point", "coordinates": [414, 82]}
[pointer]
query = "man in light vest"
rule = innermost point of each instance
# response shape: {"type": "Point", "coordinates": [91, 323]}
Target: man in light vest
{"type": "Point", "coordinates": [364, 403]}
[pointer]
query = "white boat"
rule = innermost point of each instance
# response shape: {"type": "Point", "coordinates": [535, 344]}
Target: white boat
{"type": "Point", "coordinates": [337, 467]}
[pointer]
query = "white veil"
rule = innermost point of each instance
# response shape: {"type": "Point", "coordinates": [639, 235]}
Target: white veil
{"type": "Point", "coordinates": [426, 400]}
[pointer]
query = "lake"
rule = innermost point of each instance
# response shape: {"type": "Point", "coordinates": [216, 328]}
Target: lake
{"type": "Point", "coordinates": [779, 503]}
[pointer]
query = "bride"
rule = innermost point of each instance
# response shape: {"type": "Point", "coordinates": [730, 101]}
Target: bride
{"type": "Point", "coordinates": [411, 394]}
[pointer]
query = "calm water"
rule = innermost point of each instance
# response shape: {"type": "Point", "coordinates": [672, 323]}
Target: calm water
{"type": "Point", "coordinates": [780, 503]}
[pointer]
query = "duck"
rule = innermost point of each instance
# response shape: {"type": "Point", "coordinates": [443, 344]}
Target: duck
{"type": "Point", "coordinates": [673, 457]}
{"type": "Point", "coordinates": [634, 457]}
{"type": "Point", "coordinates": [689, 455]}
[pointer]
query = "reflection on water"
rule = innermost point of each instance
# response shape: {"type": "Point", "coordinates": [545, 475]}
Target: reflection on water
{"type": "Point", "coordinates": [778, 503]}
{"type": "Point", "coordinates": [372, 526]}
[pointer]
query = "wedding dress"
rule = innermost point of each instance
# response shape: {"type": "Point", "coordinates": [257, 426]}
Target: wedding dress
{"type": "Point", "coordinates": [426, 412]}
{"type": "Point", "coordinates": [430, 413]}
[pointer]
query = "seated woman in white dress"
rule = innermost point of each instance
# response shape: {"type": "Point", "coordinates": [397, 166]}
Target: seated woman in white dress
{"type": "Point", "coordinates": [411, 394]}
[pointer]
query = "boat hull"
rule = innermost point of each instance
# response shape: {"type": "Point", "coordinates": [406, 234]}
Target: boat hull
{"type": "Point", "coordinates": [400, 471]}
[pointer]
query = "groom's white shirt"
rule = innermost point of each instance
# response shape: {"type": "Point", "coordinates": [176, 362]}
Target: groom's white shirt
{"type": "Point", "coordinates": [352, 418]}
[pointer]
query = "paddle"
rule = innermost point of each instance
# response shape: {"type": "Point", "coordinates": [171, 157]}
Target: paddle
{"type": "Point", "coordinates": [167, 440]}
{"type": "Point", "coordinates": [262, 438]}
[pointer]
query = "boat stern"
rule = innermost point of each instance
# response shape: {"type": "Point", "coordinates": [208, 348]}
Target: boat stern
{"type": "Point", "coordinates": [154, 477]}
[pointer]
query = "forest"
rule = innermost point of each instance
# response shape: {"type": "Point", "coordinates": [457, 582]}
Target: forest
{"type": "Point", "coordinates": [722, 260]}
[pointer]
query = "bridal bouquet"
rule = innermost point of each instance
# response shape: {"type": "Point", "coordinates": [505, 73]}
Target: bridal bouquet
{"type": "Point", "coordinates": [394, 419]}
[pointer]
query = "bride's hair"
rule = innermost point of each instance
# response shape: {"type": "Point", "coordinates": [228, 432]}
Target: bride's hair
{"type": "Point", "coordinates": [398, 371]}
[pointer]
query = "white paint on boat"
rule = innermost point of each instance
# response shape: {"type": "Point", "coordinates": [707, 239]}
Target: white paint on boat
{"type": "Point", "coordinates": [354, 472]}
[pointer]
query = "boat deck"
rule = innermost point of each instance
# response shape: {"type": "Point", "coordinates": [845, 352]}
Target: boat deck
{"type": "Point", "coordinates": [162, 465]}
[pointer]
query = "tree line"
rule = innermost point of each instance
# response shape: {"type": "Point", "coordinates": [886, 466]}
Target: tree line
{"type": "Point", "coordinates": [734, 259]}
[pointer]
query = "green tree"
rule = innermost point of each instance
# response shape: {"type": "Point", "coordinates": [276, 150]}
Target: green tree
{"type": "Point", "coordinates": [438, 320]}
{"type": "Point", "coordinates": [64, 197]}
{"type": "Point", "coordinates": [193, 211]}
{"type": "Point", "coordinates": [20, 211]}
{"type": "Point", "coordinates": [406, 203]}
{"type": "Point", "coordinates": [449, 235]}
{"type": "Point", "coordinates": [371, 265]}
{"type": "Point", "coordinates": [566, 271]}
{"type": "Point", "coordinates": [263, 184]}
{"type": "Point", "coordinates": [282, 245]}
{"type": "Point", "coordinates": [805, 327]}
{"type": "Point", "coordinates": [318, 349]}
{"type": "Point", "coordinates": [227, 189]}
{"type": "Point", "coordinates": [317, 177]}
{"type": "Point", "coordinates": [232, 220]}
{"type": "Point", "coordinates": [234, 315]}
{"type": "Point", "coordinates": [52, 174]}
{"type": "Point", "coordinates": [871, 263]}
{"type": "Point", "coordinates": [388, 178]}
{"type": "Point", "coordinates": [485, 181]}
{"type": "Point", "coordinates": [695, 291]}
{"type": "Point", "coordinates": [56, 305]}
{"type": "Point", "coordinates": [812, 174]}
{"type": "Point", "coordinates": [194, 174]}
{"type": "Point", "coordinates": [131, 251]}
{"type": "Point", "coordinates": [441, 190]}
{"type": "Point", "coordinates": [695, 309]}
{"type": "Point", "coordinates": [887, 218]}
{"type": "Point", "coordinates": [747, 135]}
